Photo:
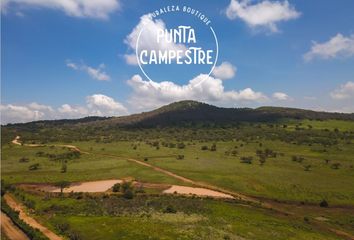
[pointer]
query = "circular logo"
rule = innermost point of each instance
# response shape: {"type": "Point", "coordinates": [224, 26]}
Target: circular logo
{"type": "Point", "coordinates": [176, 42]}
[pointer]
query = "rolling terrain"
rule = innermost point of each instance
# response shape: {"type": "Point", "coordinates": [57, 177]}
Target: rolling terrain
{"type": "Point", "coordinates": [290, 172]}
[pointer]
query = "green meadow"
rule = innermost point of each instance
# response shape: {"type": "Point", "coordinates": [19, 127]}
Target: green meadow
{"type": "Point", "coordinates": [293, 165]}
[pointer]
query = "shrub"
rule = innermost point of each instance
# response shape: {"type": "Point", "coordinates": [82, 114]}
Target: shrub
{"type": "Point", "coordinates": [23, 160]}
{"type": "Point", "coordinates": [116, 187]}
{"type": "Point", "coordinates": [32, 233]}
{"type": "Point", "coordinates": [128, 194]}
{"type": "Point", "coordinates": [204, 148]}
{"type": "Point", "coordinates": [335, 165]}
{"type": "Point", "coordinates": [323, 203]}
{"type": "Point", "coordinates": [181, 145]}
{"type": "Point", "coordinates": [307, 167]}
{"type": "Point", "coordinates": [246, 160]}
{"type": "Point", "coordinates": [34, 167]}
{"type": "Point", "coordinates": [213, 147]}
{"type": "Point", "coordinates": [63, 168]}
{"type": "Point", "coordinates": [170, 209]}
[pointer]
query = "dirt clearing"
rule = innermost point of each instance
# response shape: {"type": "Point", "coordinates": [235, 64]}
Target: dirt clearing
{"type": "Point", "coordinates": [203, 192]}
{"type": "Point", "coordinates": [92, 187]}
{"type": "Point", "coordinates": [10, 229]}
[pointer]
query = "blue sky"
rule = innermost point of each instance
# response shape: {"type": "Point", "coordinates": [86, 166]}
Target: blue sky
{"type": "Point", "coordinates": [68, 61]}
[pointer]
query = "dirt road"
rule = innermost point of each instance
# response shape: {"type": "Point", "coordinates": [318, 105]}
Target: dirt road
{"type": "Point", "coordinates": [10, 230]}
{"type": "Point", "coordinates": [16, 141]}
{"type": "Point", "coordinates": [29, 220]}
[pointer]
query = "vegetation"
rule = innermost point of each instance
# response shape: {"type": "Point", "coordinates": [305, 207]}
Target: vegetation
{"type": "Point", "coordinates": [28, 230]}
{"type": "Point", "coordinates": [277, 155]}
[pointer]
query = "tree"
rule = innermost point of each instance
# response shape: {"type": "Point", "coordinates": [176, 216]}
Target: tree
{"type": "Point", "coordinates": [262, 160]}
{"type": "Point", "coordinates": [128, 194]}
{"type": "Point", "coordinates": [62, 185]}
{"type": "Point", "coordinates": [335, 165]}
{"type": "Point", "coordinates": [323, 203]}
{"type": "Point", "coordinates": [213, 147]}
{"type": "Point", "coordinates": [63, 167]}
{"type": "Point", "coordinates": [116, 187]}
{"type": "Point", "coordinates": [204, 148]}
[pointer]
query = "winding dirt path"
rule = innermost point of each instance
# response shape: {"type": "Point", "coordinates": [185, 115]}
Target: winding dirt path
{"type": "Point", "coordinates": [10, 230]}
{"type": "Point", "coordinates": [29, 220]}
{"type": "Point", "coordinates": [16, 141]}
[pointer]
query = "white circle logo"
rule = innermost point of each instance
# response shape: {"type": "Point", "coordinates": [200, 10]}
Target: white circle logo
{"type": "Point", "coordinates": [187, 48]}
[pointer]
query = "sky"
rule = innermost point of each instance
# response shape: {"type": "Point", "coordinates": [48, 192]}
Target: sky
{"type": "Point", "coordinates": [76, 58]}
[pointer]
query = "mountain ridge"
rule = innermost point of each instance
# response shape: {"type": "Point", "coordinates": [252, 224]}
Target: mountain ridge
{"type": "Point", "coordinates": [193, 111]}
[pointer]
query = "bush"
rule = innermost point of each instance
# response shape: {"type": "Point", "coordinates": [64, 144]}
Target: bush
{"type": "Point", "coordinates": [213, 147]}
{"type": "Point", "coordinates": [62, 227]}
{"type": "Point", "coordinates": [64, 168]}
{"type": "Point", "coordinates": [116, 187]}
{"type": "Point", "coordinates": [335, 165]}
{"type": "Point", "coordinates": [323, 203]}
{"type": "Point", "coordinates": [34, 167]}
{"type": "Point", "coordinates": [246, 160]}
{"type": "Point", "coordinates": [170, 209]}
{"type": "Point", "coordinates": [204, 148]}
{"type": "Point", "coordinates": [307, 167]}
{"type": "Point", "coordinates": [33, 234]}
{"type": "Point", "coordinates": [181, 145]}
{"type": "Point", "coordinates": [180, 157]}
{"type": "Point", "coordinates": [128, 194]}
{"type": "Point", "coordinates": [23, 160]}
{"type": "Point", "coordinates": [73, 235]}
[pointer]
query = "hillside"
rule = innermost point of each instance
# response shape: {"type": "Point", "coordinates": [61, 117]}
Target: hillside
{"type": "Point", "coordinates": [193, 112]}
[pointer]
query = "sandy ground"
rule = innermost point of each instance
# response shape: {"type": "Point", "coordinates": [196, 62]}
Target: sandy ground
{"type": "Point", "coordinates": [196, 191]}
{"type": "Point", "coordinates": [10, 229]}
{"type": "Point", "coordinates": [29, 220]}
{"type": "Point", "coordinates": [92, 187]}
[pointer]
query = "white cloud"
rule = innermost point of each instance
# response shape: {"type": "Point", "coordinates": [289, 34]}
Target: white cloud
{"type": "Point", "coordinates": [99, 9]}
{"type": "Point", "coordinates": [131, 59]}
{"type": "Point", "coordinates": [95, 73]}
{"type": "Point", "coordinates": [149, 94]}
{"type": "Point", "coordinates": [280, 96]}
{"type": "Point", "coordinates": [68, 111]}
{"type": "Point", "coordinates": [337, 46]}
{"type": "Point", "coordinates": [24, 113]}
{"type": "Point", "coordinates": [96, 105]}
{"type": "Point", "coordinates": [102, 105]}
{"type": "Point", "coordinates": [263, 14]}
{"type": "Point", "coordinates": [148, 39]}
{"type": "Point", "coordinates": [224, 71]}
{"type": "Point", "coordinates": [345, 91]}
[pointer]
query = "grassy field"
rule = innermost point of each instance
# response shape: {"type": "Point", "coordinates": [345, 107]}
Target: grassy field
{"type": "Point", "coordinates": [146, 218]}
{"type": "Point", "coordinates": [316, 164]}
{"type": "Point", "coordinates": [278, 178]}
{"type": "Point", "coordinates": [87, 167]}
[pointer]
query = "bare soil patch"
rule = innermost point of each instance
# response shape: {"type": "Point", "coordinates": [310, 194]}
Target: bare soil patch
{"type": "Point", "coordinates": [29, 220]}
{"type": "Point", "coordinates": [203, 192]}
{"type": "Point", "coordinates": [90, 187]}
{"type": "Point", "coordinates": [10, 229]}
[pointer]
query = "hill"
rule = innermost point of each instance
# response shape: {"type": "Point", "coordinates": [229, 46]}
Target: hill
{"type": "Point", "coordinates": [185, 113]}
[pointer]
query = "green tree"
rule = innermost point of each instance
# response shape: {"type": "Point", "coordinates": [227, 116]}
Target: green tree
{"type": "Point", "coordinates": [62, 185]}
